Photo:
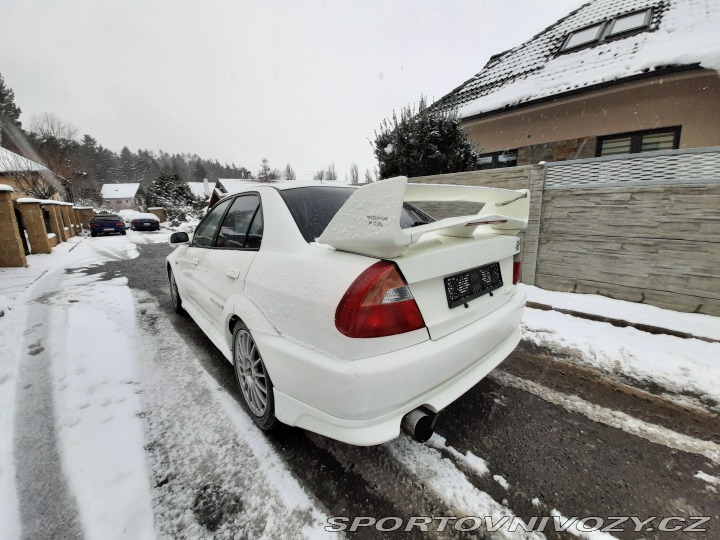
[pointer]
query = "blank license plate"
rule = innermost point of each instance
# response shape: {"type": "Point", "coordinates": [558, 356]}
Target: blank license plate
{"type": "Point", "coordinates": [471, 284]}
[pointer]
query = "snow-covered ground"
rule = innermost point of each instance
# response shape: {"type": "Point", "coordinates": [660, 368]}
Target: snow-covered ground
{"type": "Point", "coordinates": [139, 463]}
{"type": "Point", "coordinates": [678, 365]}
{"type": "Point", "coordinates": [84, 328]}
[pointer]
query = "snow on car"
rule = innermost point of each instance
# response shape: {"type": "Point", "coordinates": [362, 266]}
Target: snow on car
{"type": "Point", "coordinates": [349, 312]}
{"type": "Point", "coordinates": [141, 221]}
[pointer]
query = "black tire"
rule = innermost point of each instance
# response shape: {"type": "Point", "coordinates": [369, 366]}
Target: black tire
{"type": "Point", "coordinates": [123, 233]}
{"type": "Point", "coordinates": [175, 295]}
{"type": "Point", "coordinates": [253, 381]}
{"type": "Point", "coordinates": [93, 234]}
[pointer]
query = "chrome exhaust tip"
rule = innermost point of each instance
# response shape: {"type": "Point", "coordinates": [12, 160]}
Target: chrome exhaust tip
{"type": "Point", "coordinates": [419, 424]}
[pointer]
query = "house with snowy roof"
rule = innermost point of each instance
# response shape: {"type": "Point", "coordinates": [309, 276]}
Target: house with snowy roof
{"type": "Point", "coordinates": [27, 177]}
{"type": "Point", "coordinates": [612, 77]}
{"type": "Point", "coordinates": [201, 190]}
{"type": "Point", "coordinates": [128, 196]}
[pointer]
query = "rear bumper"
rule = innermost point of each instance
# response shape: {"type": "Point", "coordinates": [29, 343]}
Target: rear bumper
{"type": "Point", "coordinates": [101, 230]}
{"type": "Point", "coordinates": [145, 226]}
{"type": "Point", "coordinates": [363, 401]}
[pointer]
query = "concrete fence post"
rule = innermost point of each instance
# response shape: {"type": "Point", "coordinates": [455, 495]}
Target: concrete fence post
{"type": "Point", "coordinates": [65, 209]}
{"type": "Point", "coordinates": [159, 213]}
{"type": "Point", "coordinates": [85, 214]}
{"type": "Point", "coordinates": [56, 224]}
{"type": "Point", "coordinates": [34, 225]}
{"type": "Point", "coordinates": [76, 219]}
{"type": "Point", "coordinates": [12, 252]}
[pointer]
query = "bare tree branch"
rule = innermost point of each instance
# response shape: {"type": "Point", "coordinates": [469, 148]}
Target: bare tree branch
{"type": "Point", "coordinates": [47, 125]}
{"type": "Point", "coordinates": [32, 178]}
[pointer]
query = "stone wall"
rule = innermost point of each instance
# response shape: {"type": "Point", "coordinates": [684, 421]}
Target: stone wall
{"type": "Point", "coordinates": [86, 214]}
{"type": "Point", "coordinates": [158, 213]}
{"type": "Point", "coordinates": [34, 223]}
{"type": "Point", "coordinates": [639, 227]}
{"type": "Point", "coordinates": [12, 252]}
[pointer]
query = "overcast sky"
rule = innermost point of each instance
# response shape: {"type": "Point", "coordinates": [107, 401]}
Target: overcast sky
{"type": "Point", "coordinates": [299, 82]}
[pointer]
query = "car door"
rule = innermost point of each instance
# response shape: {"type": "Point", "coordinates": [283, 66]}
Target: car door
{"type": "Point", "coordinates": [190, 263]}
{"type": "Point", "coordinates": [225, 266]}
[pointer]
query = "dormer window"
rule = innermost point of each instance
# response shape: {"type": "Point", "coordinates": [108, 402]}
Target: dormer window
{"type": "Point", "coordinates": [607, 30]}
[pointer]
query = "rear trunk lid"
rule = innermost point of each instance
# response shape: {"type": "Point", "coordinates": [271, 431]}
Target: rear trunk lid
{"type": "Point", "coordinates": [456, 281]}
{"type": "Point", "coordinates": [458, 269]}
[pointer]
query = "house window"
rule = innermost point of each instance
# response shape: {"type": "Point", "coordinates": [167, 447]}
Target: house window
{"type": "Point", "coordinates": [628, 23]}
{"type": "Point", "coordinates": [639, 141]}
{"type": "Point", "coordinates": [637, 21]}
{"type": "Point", "coordinates": [494, 160]}
{"type": "Point", "coordinates": [583, 37]}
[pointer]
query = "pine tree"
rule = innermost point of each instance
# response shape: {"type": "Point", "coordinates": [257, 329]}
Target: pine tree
{"type": "Point", "coordinates": [425, 142]}
{"type": "Point", "coordinates": [173, 194]}
{"type": "Point", "coordinates": [289, 173]}
{"type": "Point", "coordinates": [9, 115]}
{"type": "Point", "coordinates": [266, 174]}
{"type": "Point", "coordinates": [199, 172]}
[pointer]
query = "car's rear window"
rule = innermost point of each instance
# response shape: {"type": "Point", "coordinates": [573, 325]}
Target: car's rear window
{"type": "Point", "coordinates": [107, 218]}
{"type": "Point", "coordinates": [313, 208]}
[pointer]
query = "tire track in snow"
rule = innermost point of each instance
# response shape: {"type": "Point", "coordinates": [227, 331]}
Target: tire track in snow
{"type": "Point", "coordinates": [609, 417]}
{"type": "Point", "coordinates": [385, 477]}
{"type": "Point", "coordinates": [47, 507]}
{"type": "Point", "coordinates": [452, 486]}
{"type": "Point", "coordinates": [215, 474]}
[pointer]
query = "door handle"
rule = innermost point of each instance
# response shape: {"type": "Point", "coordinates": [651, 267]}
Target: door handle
{"type": "Point", "coordinates": [230, 272]}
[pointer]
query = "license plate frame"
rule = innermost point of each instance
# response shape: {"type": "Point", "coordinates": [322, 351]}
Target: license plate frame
{"type": "Point", "coordinates": [468, 285]}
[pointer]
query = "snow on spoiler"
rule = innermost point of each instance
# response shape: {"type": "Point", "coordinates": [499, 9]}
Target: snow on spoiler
{"type": "Point", "coordinates": [369, 221]}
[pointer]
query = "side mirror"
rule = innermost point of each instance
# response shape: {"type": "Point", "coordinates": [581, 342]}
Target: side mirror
{"type": "Point", "coordinates": [179, 238]}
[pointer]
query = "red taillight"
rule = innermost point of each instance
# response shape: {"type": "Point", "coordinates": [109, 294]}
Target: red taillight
{"type": "Point", "coordinates": [120, 224]}
{"type": "Point", "coordinates": [94, 224]}
{"type": "Point", "coordinates": [517, 269]}
{"type": "Point", "coordinates": [378, 303]}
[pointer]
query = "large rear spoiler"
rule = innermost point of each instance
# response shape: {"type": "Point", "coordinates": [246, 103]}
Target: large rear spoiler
{"type": "Point", "coordinates": [369, 221]}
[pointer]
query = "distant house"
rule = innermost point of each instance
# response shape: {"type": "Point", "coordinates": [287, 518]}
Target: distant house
{"type": "Point", "coordinates": [609, 78]}
{"type": "Point", "coordinates": [201, 190]}
{"type": "Point", "coordinates": [26, 176]}
{"type": "Point", "coordinates": [124, 196]}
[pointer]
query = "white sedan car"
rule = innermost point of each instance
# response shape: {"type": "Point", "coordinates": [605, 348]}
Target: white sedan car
{"type": "Point", "coordinates": [349, 312]}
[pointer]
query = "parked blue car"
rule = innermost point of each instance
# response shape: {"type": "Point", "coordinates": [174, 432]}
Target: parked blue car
{"type": "Point", "coordinates": [106, 224]}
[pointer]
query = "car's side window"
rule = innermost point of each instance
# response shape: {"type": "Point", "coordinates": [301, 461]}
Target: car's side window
{"type": "Point", "coordinates": [205, 232]}
{"type": "Point", "coordinates": [254, 238]}
{"type": "Point", "coordinates": [234, 229]}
